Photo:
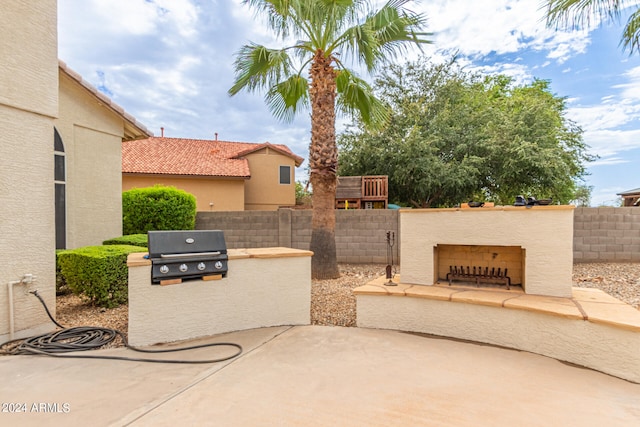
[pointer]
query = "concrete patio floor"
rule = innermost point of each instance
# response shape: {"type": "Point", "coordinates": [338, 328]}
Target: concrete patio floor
{"type": "Point", "coordinates": [318, 376]}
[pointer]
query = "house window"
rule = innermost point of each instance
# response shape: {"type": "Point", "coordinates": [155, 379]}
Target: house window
{"type": "Point", "coordinates": [59, 179]}
{"type": "Point", "coordinates": [285, 175]}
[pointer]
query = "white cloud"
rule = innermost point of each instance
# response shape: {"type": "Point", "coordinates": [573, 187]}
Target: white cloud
{"type": "Point", "coordinates": [610, 144]}
{"type": "Point", "coordinates": [498, 26]}
{"type": "Point", "coordinates": [631, 89]}
{"type": "Point", "coordinates": [609, 126]}
{"type": "Point", "coordinates": [604, 116]}
{"type": "Point", "coordinates": [145, 17]}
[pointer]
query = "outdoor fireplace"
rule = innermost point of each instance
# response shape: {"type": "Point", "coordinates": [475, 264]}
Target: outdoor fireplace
{"type": "Point", "coordinates": [507, 246]}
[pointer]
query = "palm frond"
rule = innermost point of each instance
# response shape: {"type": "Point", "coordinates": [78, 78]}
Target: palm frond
{"type": "Point", "coordinates": [286, 98]}
{"type": "Point", "coordinates": [277, 13]}
{"type": "Point", "coordinates": [631, 34]}
{"type": "Point", "coordinates": [580, 13]}
{"type": "Point", "coordinates": [355, 96]}
{"type": "Point", "coordinates": [258, 67]}
{"type": "Point", "coordinates": [383, 34]}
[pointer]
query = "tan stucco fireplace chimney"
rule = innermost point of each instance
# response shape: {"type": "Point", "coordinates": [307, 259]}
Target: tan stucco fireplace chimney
{"type": "Point", "coordinates": [535, 245]}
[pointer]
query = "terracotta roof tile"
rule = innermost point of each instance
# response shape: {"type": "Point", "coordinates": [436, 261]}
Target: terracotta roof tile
{"type": "Point", "coordinates": [283, 149]}
{"type": "Point", "coordinates": [181, 156]}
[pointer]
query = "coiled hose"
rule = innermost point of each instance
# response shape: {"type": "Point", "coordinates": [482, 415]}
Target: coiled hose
{"type": "Point", "coordinates": [83, 338]}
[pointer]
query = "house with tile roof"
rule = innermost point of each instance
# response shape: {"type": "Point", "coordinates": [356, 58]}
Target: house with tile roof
{"type": "Point", "coordinates": [222, 175]}
{"type": "Point", "coordinates": [630, 197]}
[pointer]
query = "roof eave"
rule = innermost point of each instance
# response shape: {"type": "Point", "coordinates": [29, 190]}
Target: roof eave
{"type": "Point", "coordinates": [629, 192]}
{"type": "Point", "coordinates": [297, 159]}
{"type": "Point", "coordinates": [174, 175]}
{"type": "Point", "coordinates": [132, 128]}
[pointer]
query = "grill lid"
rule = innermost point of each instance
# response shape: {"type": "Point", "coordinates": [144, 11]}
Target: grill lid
{"type": "Point", "coordinates": [187, 243]}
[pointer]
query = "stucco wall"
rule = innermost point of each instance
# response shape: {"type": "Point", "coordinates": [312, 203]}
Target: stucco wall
{"type": "Point", "coordinates": [597, 346]}
{"type": "Point", "coordinates": [225, 194]}
{"type": "Point", "coordinates": [29, 66]}
{"type": "Point", "coordinates": [28, 105]}
{"type": "Point", "coordinates": [263, 190]}
{"type": "Point", "coordinates": [92, 136]}
{"type": "Point", "coordinates": [263, 287]}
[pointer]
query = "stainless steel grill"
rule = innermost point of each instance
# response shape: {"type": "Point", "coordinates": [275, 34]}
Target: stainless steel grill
{"type": "Point", "coordinates": [181, 255]}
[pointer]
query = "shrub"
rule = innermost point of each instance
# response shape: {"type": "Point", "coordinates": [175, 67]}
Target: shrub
{"type": "Point", "coordinates": [98, 272]}
{"type": "Point", "coordinates": [157, 208]}
{"type": "Point", "coordinates": [61, 283]}
{"type": "Point", "coordinates": [130, 239]}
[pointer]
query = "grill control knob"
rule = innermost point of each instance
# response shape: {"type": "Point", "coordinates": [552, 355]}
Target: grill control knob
{"type": "Point", "coordinates": [183, 267]}
{"type": "Point", "coordinates": [164, 269]}
{"type": "Point", "coordinates": [218, 265]}
{"type": "Point", "coordinates": [201, 266]}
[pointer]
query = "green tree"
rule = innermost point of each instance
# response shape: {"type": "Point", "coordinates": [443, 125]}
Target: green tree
{"type": "Point", "coordinates": [454, 136]}
{"type": "Point", "coordinates": [582, 196]}
{"type": "Point", "coordinates": [312, 72]}
{"type": "Point", "coordinates": [580, 13]}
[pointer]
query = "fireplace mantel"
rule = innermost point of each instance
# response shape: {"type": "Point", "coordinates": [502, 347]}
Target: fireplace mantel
{"type": "Point", "coordinates": [545, 234]}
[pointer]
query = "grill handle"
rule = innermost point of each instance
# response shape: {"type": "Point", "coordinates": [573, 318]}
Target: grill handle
{"type": "Point", "coordinates": [189, 255]}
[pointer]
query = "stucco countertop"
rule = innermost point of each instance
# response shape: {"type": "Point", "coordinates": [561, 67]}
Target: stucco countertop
{"type": "Point", "coordinates": [138, 259]}
{"type": "Point", "coordinates": [492, 209]}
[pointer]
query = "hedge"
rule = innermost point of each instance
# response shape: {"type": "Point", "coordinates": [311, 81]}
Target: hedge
{"type": "Point", "coordinates": [130, 239]}
{"type": "Point", "coordinates": [98, 272]}
{"type": "Point", "coordinates": [61, 284]}
{"type": "Point", "coordinates": [157, 208]}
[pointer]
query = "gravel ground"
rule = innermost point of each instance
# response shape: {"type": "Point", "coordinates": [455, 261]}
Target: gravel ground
{"type": "Point", "coordinates": [333, 304]}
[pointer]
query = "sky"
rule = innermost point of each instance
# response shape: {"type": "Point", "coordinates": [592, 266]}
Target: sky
{"type": "Point", "coordinates": [169, 63]}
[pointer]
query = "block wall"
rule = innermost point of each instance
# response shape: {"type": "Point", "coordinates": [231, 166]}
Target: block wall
{"type": "Point", "coordinates": [604, 234]}
{"type": "Point", "coordinates": [360, 234]}
{"type": "Point", "coordinates": [243, 229]}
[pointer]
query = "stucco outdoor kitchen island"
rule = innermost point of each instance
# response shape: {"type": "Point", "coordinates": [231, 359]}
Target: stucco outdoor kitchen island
{"type": "Point", "coordinates": [263, 287]}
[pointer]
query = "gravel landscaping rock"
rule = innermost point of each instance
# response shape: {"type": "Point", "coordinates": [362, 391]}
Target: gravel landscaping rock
{"type": "Point", "coordinates": [333, 303]}
{"type": "Point", "coordinates": [620, 280]}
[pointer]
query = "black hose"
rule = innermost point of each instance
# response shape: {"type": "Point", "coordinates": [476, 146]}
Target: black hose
{"type": "Point", "coordinates": [84, 338]}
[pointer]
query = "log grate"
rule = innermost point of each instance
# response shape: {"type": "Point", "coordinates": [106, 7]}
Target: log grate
{"type": "Point", "coordinates": [479, 275]}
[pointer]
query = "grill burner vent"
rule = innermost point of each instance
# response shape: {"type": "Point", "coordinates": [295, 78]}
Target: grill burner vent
{"type": "Point", "coordinates": [180, 255]}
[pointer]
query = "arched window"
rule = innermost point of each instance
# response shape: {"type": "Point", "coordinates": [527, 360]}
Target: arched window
{"type": "Point", "coordinates": [59, 179]}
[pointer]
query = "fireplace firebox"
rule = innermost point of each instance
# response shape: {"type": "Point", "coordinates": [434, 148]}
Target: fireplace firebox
{"type": "Point", "coordinates": [479, 265]}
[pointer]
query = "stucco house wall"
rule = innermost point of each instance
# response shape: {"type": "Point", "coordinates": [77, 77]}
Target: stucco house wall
{"type": "Point", "coordinates": [263, 191]}
{"type": "Point", "coordinates": [92, 129]}
{"type": "Point", "coordinates": [28, 106]}
{"type": "Point", "coordinates": [212, 193]}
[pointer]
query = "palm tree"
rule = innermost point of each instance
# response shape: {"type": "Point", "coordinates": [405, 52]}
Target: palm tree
{"type": "Point", "coordinates": [312, 71]}
{"type": "Point", "coordinates": [578, 13]}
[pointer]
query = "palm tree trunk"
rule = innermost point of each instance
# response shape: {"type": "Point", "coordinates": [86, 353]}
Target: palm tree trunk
{"type": "Point", "coordinates": [323, 161]}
